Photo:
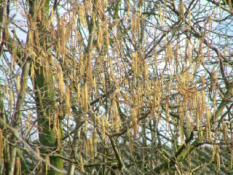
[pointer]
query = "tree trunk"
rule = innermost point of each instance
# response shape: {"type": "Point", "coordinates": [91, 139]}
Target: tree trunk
{"type": "Point", "coordinates": [50, 128]}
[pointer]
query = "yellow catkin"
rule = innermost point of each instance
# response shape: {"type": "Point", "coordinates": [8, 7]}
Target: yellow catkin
{"type": "Point", "coordinates": [47, 160]}
{"type": "Point", "coordinates": [103, 129]}
{"type": "Point", "coordinates": [214, 109]}
{"type": "Point", "coordinates": [62, 39]}
{"type": "Point", "coordinates": [83, 102]}
{"type": "Point", "coordinates": [6, 28]}
{"type": "Point", "coordinates": [118, 123]}
{"type": "Point", "coordinates": [130, 141]}
{"type": "Point", "coordinates": [107, 36]}
{"type": "Point", "coordinates": [146, 71]}
{"type": "Point", "coordinates": [56, 116]}
{"type": "Point", "coordinates": [47, 71]}
{"type": "Point", "coordinates": [98, 120]}
{"type": "Point", "coordinates": [112, 118]}
{"type": "Point", "coordinates": [181, 132]}
{"type": "Point", "coordinates": [208, 115]}
{"type": "Point", "coordinates": [18, 166]}
{"type": "Point", "coordinates": [18, 85]}
{"type": "Point", "coordinates": [140, 10]}
{"type": "Point", "coordinates": [87, 147]}
{"type": "Point", "coordinates": [225, 131]}
{"type": "Point", "coordinates": [30, 40]}
{"type": "Point", "coordinates": [90, 70]}
{"type": "Point", "coordinates": [39, 15]}
{"type": "Point", "coordinates": [134, 120]}
{"type": "Point", "coordinates": [107, 124]}
{"type": "Point", "coordinates": [32, 70]}
{"type": "Point", "coordinates": [11, 98]}
{"type": "Point", "coordinates": [86, 125]}
{"type": "Point", "coordinates": [188, 125]}
{"type": "Point", "coordinates": [94, 138]}
{"type": "Point", "coordinates": [181, 10]}
{"type": "Point", "coordinates": [213, 153]}
{"type": "Point", "coordinates": [198, 112]}
{"type": "Point", "coordinates": [86, 97]}
{"type": "Point", "coordinates": [60, 83]}
{"type": "Point", "coordinates": [218, 160]}
{"type": "Point", "coordinates": [137, 23]}
{"type": "Point", "coordinates": [160, 15]}
{"type": "Point", "coordinates": [203, 100]}
{"type": "Point", "coordinates": [81, 163]}
{"type": "Point", "coordinates": [203, 80]}
{"type": "Point", "coordinates": [214, 79]}
{"type": "Point", "coordinates": [52, 16]}
{"type": "Point", "coordinates": [1, 146]}
{"type": "Point", "coordinates": [37, 38]}
{"type": "Point", "coordinates": [200, 134]}
{"type": "Point", "coordinates": [104, 85]}
{"type": "Point", "coordinates": [50, 122]}
{"type": "Point", "coordinates": [81, 66]}
{"type": "Point", "coordinates": [116, 115]}
{"type": "Point", "coordinates": [111, 68]}
{"type": "Point", "coordinates": [91, 149]}
{"type": "Point", "coordinates": [230, 4]}
{"type": "Point", "coordinates": [189, 18]}
{"type": "Point", "coordinates": [58, 137]}
{"type": "Point", "coordinates": [169, 54]}
{"type": "Point", "coordinates": [78, 93]}
{"type": "Point", "coordinates": [82, 16]}
{"type": "Point", "coordinates": [231, 163]}
{"type": "Point", "coordinates": [67, 100]}
{"type": "Point", "coordinates": [210, 23]}
{"type": "Point", "coordinates": [100, 38]}
{"type": "Point", "coordinates": [155, 30]}
{"type": "Point", "coordinates": [167, 112]}
{"type": "Point", "coordinates": [94, 85]}
{"type": "Point", "coordinates": [134, 63]}
{"type": "Point", "coordinates": [38, 152]}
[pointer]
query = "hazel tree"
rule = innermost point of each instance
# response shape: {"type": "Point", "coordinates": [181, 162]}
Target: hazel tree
{"type": "Point", "coordinates": [116, 87]}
